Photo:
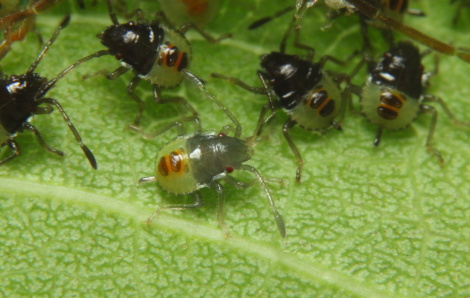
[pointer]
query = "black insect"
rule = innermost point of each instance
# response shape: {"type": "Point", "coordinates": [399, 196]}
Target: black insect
{"type": "Point", "coordinates": [21, 97]}
{"type": "Point", "coordinates": [394, 93]}
{"type": "Point", "coordinates": [155, 52]}
{"type": "Point", "coordinates": [306, 92]}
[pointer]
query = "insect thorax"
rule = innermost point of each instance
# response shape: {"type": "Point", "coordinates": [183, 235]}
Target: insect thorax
{"type": "Point", "coordinates": [135, 44]}
{"type": "Point", "coordinates": [18, 100]}
{"type": "Point", "coordinates": [212, 154]}
{"type": "Point", "coordinates": [290, 77]}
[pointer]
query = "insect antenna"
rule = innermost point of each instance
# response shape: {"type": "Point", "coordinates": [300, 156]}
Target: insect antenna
{"type": "Point", "coordinates": [200, 85]}
{"type": "Point", "coordinates": [62, 74]}
{"type": "Point", "coordinates": [264, 20]}
{"type": "Point", "coordinates": [61, 26]}
{"type": "Point", "coordinates": [112, 14]}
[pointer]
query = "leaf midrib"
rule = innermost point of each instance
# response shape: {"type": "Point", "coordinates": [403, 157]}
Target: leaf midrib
{"type": "Point", "coordinates": [193, 229]}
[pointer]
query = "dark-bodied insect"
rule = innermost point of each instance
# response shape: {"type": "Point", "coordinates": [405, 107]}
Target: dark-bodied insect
{"type": "Point", "coordinates": [198, 160]}
{"type": "Point", "coordinates": [198, 12]}
{"type": "Point", "coordinates": [306, 92]}
{"type": "Point", "coordinates": [156, 53]}
{"type": "Point", "coordinates": [21, 97]}
{"type": "Point", "coordinates": [394, 93]}
{"type": "Point", "coordinates": [385, 14]}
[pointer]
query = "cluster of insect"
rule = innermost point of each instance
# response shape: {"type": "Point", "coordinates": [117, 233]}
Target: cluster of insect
{"type": "Point", "coordinates": [157, 51]}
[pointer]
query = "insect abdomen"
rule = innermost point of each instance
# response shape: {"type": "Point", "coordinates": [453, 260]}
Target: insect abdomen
{"type": "Point", "coordinates": [390, 105]}
{"type": "Point", "coordinates": [322, 102]}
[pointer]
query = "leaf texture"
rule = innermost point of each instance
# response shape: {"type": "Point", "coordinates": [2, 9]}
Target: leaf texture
{"type": "Point", "coordinates": [365, 222]}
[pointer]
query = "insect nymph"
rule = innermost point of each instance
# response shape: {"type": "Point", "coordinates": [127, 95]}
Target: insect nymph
{"type": "Point", "coordinates": [156, 52]}
{"type": "Point", "coordinates": [21, 97]}
{"type": "Point", "coordinates": [199, 160]}
{"type": "Point", "coordinates": [306, 92]}
{"type": "Point", "coordinates": [394, 94]}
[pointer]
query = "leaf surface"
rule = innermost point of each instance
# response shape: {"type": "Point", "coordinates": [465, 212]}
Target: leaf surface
{"type": "Point", "coordinates": [368, 222]}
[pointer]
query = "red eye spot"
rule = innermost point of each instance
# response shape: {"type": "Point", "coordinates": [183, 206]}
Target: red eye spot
{"type": "Point", "coordinates": [118, 56]}
{"type": "Point", "coordinates": [221, 134]}
{"type": "Point", "coordinates": [228, 170]}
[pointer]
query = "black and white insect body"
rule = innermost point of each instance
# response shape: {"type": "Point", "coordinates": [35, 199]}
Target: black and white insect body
{"type": "Point", "coordinates": [394, 94]}
{"type": "Point", "coordinates": [201, 159]}
{"type": "Point", "coordinates": [397, 81]}
{"type": "Point", "coordinates": [156, 52]}
{"type": "Point", "coordinates": [306, 92]}
{"type": "Point", "coordinates": [23, 96]}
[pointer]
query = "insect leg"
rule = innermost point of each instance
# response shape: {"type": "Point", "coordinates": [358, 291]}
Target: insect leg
{"type": "Point", "coordinates": [185, 27]}
{"type": "Point", "coordinates": [277, 216]}
{"type": "Point", "coordinates": [41, 141]}
{"type": "Point", "coordinates": [432, 127]}
{"type": "Point", "coordinates": [16, 151]}
{"type": "Point", "coordinates": [256, 90]}
{"type": "Point", "coordinates": [262, 121]}
{"type": "Point", "coordinates": [378, 135]}
{"type": "Point", "coordinates": [196, 204]}
{"type": "Point", "coordinates": [220, 207]}
{"type": "Point", "coordinates": [130, 91]}
{"type": "Point", "coordinates": [178, 100]}
{"type": "Point", "coordinates": [89, 155]}
{"type": "Point", "coordinates": [298, 44]}
{"type": "Point", "coordinates": [200, 85]}
{"type": "Point", "coordinates": [437, 99]}
{"type": "Point", "coordinates": [285, 130]}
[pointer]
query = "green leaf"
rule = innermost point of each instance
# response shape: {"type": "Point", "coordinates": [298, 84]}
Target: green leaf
{"type": "Point", "coordinates": [387, 221]}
